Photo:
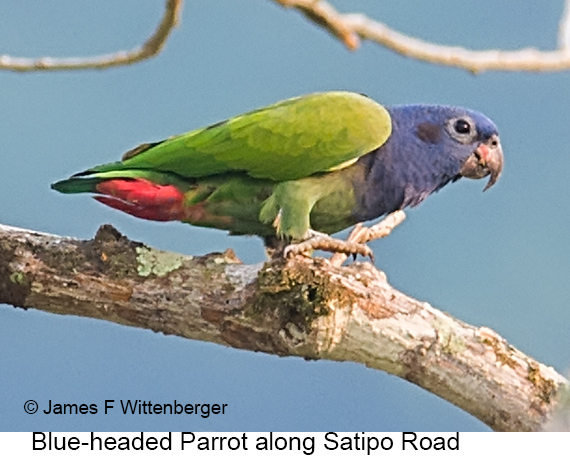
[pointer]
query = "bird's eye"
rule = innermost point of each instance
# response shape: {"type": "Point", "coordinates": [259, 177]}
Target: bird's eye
{"type": "Point", "coordinates": [462, 127]}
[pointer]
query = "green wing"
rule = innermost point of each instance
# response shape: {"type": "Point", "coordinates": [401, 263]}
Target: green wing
{"type": "Point", "coordinates": [292, 139]}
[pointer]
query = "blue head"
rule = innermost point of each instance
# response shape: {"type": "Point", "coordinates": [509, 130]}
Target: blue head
{"type": "Point", "coordinates": [430, 146]}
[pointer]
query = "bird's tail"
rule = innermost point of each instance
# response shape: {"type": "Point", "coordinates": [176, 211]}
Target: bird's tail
{"type": "Point", "coordinates": [76, 185]}
{"type": "Point", "coordinates": [141, 193]}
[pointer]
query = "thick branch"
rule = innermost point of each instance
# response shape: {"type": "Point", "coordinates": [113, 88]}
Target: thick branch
{"type": "Point", "coordinates": [349, 28]}
{"type": "Point", "coordinates": [150, 48]}
{"type": "Point", "coordinates": [301, 306]}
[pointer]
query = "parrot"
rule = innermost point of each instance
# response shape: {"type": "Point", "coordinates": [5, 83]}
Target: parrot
{"type": "Point", "coordinates": [303, 167]}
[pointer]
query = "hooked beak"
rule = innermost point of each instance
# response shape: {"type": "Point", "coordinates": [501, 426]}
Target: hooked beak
{"type": "Point", "coordinates": [486, 160]}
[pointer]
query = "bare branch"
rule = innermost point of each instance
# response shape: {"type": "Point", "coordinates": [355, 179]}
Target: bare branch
{"type": "Point", "coordinates": [150, 48]}
{"type": "Point", "coordinates": [564, 27]}
{"type": "Point", "coordinates": [358, 25]}
{"type": "Point", "coordinates": [299, 306]}
{"type": "Point", "coordinates": [327, 17]}
{"type": "Point", "coordinates": [348, 28]}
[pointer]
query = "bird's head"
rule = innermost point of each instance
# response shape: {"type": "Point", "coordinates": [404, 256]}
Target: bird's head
{"type": "Point", "coordinates": [459, 142]}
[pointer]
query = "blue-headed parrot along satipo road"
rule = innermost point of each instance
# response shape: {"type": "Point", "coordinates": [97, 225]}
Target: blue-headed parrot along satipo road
{"type": "Point", "coordinates": [316, 163]}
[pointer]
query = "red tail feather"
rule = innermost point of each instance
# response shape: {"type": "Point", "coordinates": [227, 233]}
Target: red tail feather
{"type": "Point", "coordinates": [142, 198]}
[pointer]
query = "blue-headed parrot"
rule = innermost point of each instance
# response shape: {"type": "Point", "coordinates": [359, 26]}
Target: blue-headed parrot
{"type": "Point", "coordinates": [315, 163]}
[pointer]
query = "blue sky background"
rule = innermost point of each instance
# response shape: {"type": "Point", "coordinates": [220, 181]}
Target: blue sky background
{"type": "Point", "coordinates": [499, 259]}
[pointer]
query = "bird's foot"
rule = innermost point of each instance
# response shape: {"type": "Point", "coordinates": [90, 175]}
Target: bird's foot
{"type": "Point", "coordinates": [323, 242]}
{"type": "Point", "coordinates": [354, 245]}
{"type": "Point", "coordinates": [361, 234]}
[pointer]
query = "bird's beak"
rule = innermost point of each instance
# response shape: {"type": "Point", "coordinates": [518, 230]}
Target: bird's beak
{"type": "Point", "coordinates": [486, 160]}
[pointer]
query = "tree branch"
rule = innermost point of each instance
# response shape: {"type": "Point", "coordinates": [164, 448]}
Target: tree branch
{"type": "Point", "coordinates": [150, 48]}
{"type": "Point", "coordinates": [350, 28]}
{"type": "Point", "coordinates": [564, 27]}
{"type": "Point", "coordinates": [300, 306]}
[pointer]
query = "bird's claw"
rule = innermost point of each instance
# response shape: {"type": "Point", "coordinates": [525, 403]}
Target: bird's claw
{"type": "Point", "coordinates": [326, 243]}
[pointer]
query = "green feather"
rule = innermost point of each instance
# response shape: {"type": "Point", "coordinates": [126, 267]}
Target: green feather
{"type": "Point", "coordinates": [289, 140]}
{"type": "Point", "coordinates": [87, 180]}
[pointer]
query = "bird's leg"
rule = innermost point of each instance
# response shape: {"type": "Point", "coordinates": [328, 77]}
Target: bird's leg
{"type": "Point", "coordinates": [361, 234]}
{"type": "Point", "coordinates": [323, 242]}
